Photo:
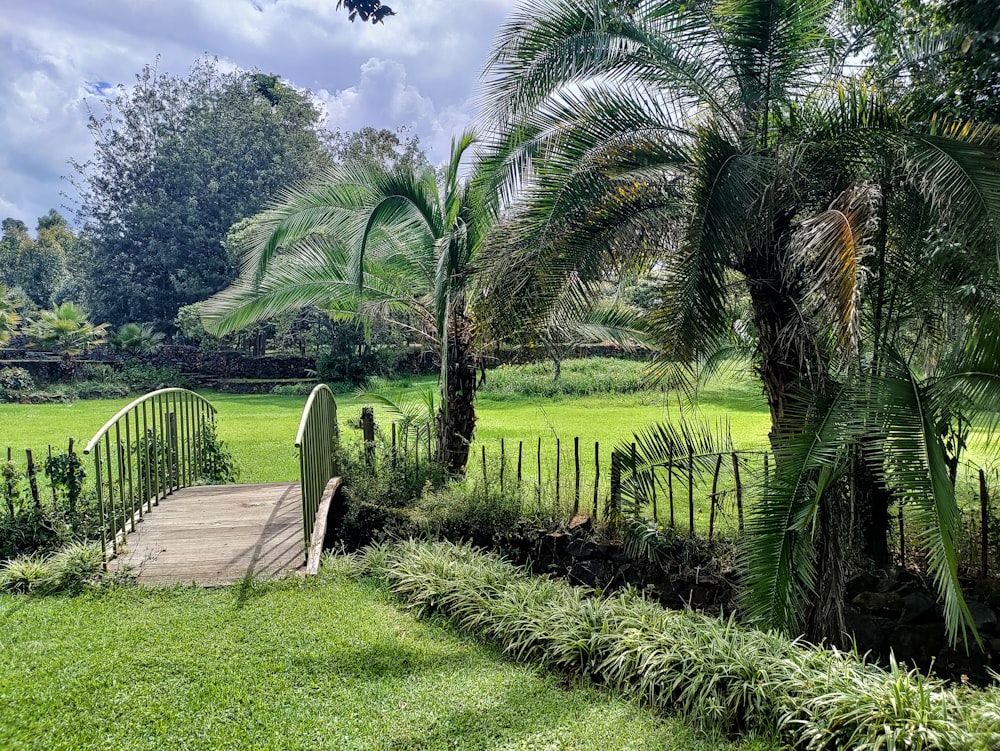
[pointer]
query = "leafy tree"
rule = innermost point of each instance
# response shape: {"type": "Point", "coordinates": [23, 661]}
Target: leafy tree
{"type": "Point", "coordinates": [365, 10]}
{"type": "Point", "coordinates": [961, 75]}
{"type": "Point", "coordinates": [391, 148]}
{"type": "Point", "coordinates": [731, 142]}
{"type": "Point", "coordinates": [177, 162]}
{"type": "Point", "coordinates": [367, 240]}
{"type": "Point", "coordinates": [36, 266]}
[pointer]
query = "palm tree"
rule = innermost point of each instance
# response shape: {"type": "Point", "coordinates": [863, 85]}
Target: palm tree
{"type": "Point", "coordinates": [67, 330]}
{"type": "Point", "coordinates": [368, 241]}
{"type": "Point", "coordinates": [729, 141]}
{"type": "Point", "coordinates": [137, 338]}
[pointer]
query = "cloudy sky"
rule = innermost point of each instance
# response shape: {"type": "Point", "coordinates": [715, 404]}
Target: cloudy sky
{"type": "Point", "coordinates": [419, 69]}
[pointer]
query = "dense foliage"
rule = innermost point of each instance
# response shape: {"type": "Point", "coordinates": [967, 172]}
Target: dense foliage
{"type": "Point", "coordinates": [793, 200]}
{"type": "Point", "coordinates": [726, 676]}
{"type": "Point", "coordinates": [177, 161]}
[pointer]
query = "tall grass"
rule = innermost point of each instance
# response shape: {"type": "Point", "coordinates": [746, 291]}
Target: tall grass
{"type": "Point", "coordinates": [586, 377]}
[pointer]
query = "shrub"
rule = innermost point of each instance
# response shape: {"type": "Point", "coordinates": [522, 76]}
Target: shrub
{"type": "Point", "coordinates": [293, 389]}
{"type": "Point", "coordinates": [583, 377]}
{"type": "Point", "coordinates": [726, 676]}
{"type": "Point", "coordinates": [75, 566]}
{"type": "Point", "coordinates": [219, 467]}
{"type": "Point", "coordinates": [68, 570]}
{"type": "Point", "coordinates": [26, 574]}
{"type": "Point", "coordinates": [15, 383]}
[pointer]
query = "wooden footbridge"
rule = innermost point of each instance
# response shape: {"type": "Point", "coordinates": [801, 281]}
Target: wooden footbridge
{"type": "Point", "coordinates": [166, 528]}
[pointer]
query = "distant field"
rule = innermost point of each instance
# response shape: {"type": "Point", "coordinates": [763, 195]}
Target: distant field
{"type": "Point", "coordinates": [260, 429]}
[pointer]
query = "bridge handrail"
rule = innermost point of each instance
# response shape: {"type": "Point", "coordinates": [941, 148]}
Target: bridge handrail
{"type": "Point", "coordinates": [316, 441]}
{"type": "Point", "coordinates": [147, 450]}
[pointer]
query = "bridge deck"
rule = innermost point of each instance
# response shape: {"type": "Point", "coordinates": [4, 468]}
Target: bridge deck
{"type": "Point", "coordinates": [217, 534]}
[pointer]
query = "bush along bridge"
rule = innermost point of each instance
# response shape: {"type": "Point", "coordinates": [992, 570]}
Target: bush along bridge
{"type": "Point", "coordinates": [162, 446]}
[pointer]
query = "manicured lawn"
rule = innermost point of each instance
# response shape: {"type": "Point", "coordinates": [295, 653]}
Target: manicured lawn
{"type": "Point", "coordinates": [328, 663]}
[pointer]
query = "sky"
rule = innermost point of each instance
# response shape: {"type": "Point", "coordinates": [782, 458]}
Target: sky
{"type": "Point", "coordinates": [420, 70]}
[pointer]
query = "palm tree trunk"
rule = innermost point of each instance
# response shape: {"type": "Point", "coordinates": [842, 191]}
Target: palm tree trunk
{"type": "Point", "coordinates": [790, 359]}
{"type": "Point", "coordinates": [457, 418]}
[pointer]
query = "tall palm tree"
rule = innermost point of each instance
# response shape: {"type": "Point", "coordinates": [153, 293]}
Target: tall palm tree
{"type": "Point", "coordinates": [368, 241]}
{"type": "Point", "coordinates": [729, 139]}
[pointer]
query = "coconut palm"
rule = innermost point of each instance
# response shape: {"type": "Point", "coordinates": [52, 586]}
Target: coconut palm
{"type": "Point", "coordinates": [368, 241]}
{"type": "Point", "coordinates": [725, 139]}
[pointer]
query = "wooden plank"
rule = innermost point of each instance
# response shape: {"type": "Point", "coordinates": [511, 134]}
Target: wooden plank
{"type": "Point", "coordinates": [216, 535]}
{"type": "Point", "coordinates": [319, 526]}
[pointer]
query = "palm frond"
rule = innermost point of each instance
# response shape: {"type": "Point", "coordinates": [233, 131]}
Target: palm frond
{"type": "Point", "coordinates": [910, 456]}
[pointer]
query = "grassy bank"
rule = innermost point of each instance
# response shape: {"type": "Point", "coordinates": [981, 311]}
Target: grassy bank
{"type": "Point", "coordinates": [324, 664]}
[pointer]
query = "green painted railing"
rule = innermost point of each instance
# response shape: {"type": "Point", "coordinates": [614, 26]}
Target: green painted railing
{"type": "Point", "coordinates": [316, 441]}
{"type": "Point", "coordinates": [152, 447]}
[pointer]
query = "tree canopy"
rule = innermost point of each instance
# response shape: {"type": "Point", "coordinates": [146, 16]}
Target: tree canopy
{"type": "Point", "coordinates": [178, 161]}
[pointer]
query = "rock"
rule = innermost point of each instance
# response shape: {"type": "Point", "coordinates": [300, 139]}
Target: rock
{"type": "Point", "coordinates": [870, 633]}
{"type": "Point", "coordinates": [982, 616]}
{"type": "Point", "coordinates": [580, 522]}
{"type": "Point", "coordinates": [885, 604]}
{"type": "Point", "coordinates": [986, 590]}
{"type": "Point", "coordinates": [972, 667]}
{"type": "Point", "coordinates": [918, 608]}
{"type": "Point", "coordinates": [863, 582]}
{"type": "Point", "coordinates": [919, 643]}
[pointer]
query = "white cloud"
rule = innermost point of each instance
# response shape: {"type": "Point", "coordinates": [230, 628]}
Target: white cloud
{"type": "Point", "coordinates": [419, 69]}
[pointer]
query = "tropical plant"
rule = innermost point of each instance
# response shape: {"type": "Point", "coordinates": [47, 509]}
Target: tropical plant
{"type": "Point", "coordinates": [368, 241]}
{"type": "Point", "coordinates": [137, 338]}
{"type": "Point", "coordinates": [9, 319]}
{"type": "Point", "coordinates": [738, 143]}
{"type": "Point", "coordinates": [65, 329]}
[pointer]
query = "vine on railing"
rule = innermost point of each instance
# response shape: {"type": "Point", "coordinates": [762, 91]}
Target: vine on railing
{"type": "Point", "coordinates": [152, 447]}
{"type": "Point", "coordinates": [317, 442]}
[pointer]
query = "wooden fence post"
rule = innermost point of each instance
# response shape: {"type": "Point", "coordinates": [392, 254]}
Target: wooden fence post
{"type": "Point", "coordinates": [576, 459]}
{"type": "Point", "coordinates": [597, 474]}
{"type": "Point", "coordinates": [539, 457]}
{"type": "Point", "coordinates": [739, 490]}
{"type": "Point", "coordinates": [670, 486]}
{"type": "Point", "coordinates": [984, 510]}
{"type": "Point", "coordinates": [368, 433]}
{"type": "Point", "coordinates": [616, 482]}
{"type": "Point", "coordinates": [690, 468]}
{"type": "Point", "coordinates": [503, 463]}
{"type": "Point", "coordinates": [715, 489]}
{"type": "Point", "coordinates": [32, 479]}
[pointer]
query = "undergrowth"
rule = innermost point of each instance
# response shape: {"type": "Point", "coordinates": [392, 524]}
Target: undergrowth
{"type": "Point", "coordinates": [718, 673]}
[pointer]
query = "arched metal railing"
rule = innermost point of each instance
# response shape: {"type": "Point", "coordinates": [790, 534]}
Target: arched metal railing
{"type": "Point", "coordinates": [150, 448]}
{"type": "Point", "coordinates": [316, 441]}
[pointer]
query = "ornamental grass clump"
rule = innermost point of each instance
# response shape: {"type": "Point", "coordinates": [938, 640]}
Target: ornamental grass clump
{"type": "Point", "coordinates": [67, 570]}
{"type": "Point", "coordinates": [716, 672]}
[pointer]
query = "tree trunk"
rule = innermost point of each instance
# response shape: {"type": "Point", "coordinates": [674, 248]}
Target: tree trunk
{"type": "Point", "coordinates": [790, 358]}
{"type": "Point", "coordinates": [457, 423]}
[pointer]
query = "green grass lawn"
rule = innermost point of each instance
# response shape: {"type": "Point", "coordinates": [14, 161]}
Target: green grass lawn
{"type": "Point", "coordinates": [260, 429]}
{"type": "Point", "coordinates": [328, 663]}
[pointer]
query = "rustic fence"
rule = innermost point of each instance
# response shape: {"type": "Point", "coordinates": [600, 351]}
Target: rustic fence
{"type": "Point", "coordinates": [693, 493]}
